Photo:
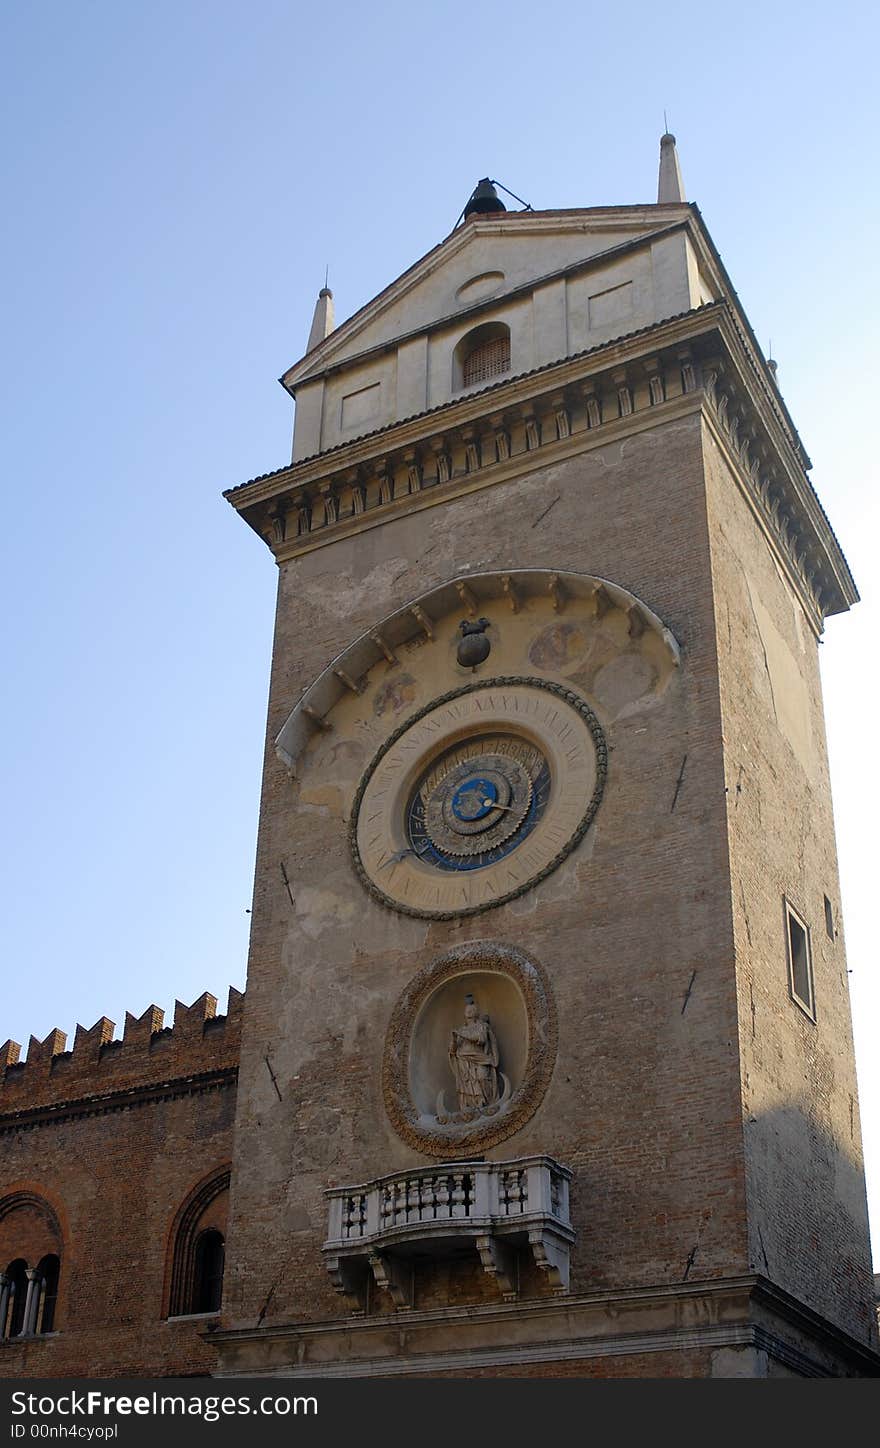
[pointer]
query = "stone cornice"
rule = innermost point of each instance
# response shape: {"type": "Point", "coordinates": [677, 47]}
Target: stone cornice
{"type": "Point", "coordinates": [711, 1314]}
{"type": "Point", "coordinates": [699, 360]}
{"type": "Point", "coordinates": [30, 1117]}
{"type": "Point", "coordinates": [473, 407]}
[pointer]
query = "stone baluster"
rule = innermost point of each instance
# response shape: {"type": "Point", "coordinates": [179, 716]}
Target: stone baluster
{"type": "Point", "coordinates": [443, 1197]}
{"type": "Point", "coordinates": [372, 1207]}
{"type": "Point", "coordinates": [468, 1183]}
{"type": "Point", "coordinates": [458, 1195]}
{"type": "Point", "coordinates": [512, 1192]}
{"type": "Point", "coordinates": [431, 1212]}
{"type": "Point", "coordinates": [393, 1190]}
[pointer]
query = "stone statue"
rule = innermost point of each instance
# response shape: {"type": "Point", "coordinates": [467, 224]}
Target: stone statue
{"type": "Point", "coordinates": [473, 1056]}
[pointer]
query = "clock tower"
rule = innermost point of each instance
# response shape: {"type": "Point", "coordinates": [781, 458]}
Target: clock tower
{"type": "Point", "coordinates": [547, 1064]}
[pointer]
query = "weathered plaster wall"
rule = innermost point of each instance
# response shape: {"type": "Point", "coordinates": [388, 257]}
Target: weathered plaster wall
{"type": "Point", "coordinates": [633, 931]}
{"type": "Point", "coordinates": [808, 1227]}
{"type": "Point", "coordinates": [613, 296]}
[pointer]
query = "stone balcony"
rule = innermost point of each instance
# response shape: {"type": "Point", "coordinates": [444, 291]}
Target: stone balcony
{"type": "Point", "coordinates": [493, 1207]}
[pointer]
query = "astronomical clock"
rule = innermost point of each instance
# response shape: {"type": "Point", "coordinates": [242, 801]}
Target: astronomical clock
{"type": "Point", "coordinates": [478, 796]}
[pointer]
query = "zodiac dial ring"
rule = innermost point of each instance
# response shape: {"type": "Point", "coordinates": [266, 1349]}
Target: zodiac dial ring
{"type": "Point", "coordinates": [477, 797]}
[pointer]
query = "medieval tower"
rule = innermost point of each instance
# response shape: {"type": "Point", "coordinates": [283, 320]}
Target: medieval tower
{"type": "Point", "coordinates": [547, 1064]}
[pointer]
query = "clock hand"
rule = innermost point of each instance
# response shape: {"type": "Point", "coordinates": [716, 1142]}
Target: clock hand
{"type": "Point", "coordinates": [399, 855]}
{"type": "Point", "coordinates": [490, 803]}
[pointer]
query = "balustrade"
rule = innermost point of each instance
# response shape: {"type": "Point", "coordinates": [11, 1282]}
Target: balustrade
{"type": "Point", "coordinates": [495, 1206]}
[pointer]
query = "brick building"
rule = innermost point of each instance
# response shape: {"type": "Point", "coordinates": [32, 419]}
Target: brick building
{"type": "Point", "coordinates": [546, 1062]}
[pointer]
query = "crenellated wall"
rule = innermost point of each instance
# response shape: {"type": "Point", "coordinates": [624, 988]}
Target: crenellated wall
{"type": "Point", "coordinates": [148, 1054]}
{"type": "Point", "coordinates": [115, 1154]}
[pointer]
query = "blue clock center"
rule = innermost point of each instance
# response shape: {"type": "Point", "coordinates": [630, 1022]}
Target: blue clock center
{"type": "Point", "coordinates": [474, 799]}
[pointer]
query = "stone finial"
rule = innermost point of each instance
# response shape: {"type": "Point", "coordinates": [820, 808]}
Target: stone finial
{"type": "Point", "coordinates": [323, 321]}
{"type": "Point", "coordinates": [670, 186]}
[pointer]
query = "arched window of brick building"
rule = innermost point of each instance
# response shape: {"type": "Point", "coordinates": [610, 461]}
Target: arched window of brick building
{"type": "Point", "coordinates": [208, 1272]}
{"type": "Point", "coordinates": [15, 1293]}
{"type": "Point", "coordinates": [482, 355]}
{"type": "Point", "coordinates": [30, 1241]}
{"type": "Point", "coordinates": [48, 1272]}
{"type": "Point", "coordinates": [197, 1248]}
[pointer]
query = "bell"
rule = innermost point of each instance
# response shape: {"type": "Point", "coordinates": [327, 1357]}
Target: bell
{"type": "Point", "coordinates": [474, 646]}
{"type": "Point", "coordinates": [484, 199]}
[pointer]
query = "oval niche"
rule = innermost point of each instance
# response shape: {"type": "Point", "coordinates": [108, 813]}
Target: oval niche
{"type": "Point", "coordinates": [480, 286]}
{"type": "Point", "coordinates": [469, 1050]}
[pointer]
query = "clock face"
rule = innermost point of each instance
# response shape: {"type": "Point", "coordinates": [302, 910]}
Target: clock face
{"type": "Point", "coordinates": [478, 797]}
{"type": "Point", "coordinates": [478, 802]}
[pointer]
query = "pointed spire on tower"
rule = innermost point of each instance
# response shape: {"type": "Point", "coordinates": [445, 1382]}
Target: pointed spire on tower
{"type": "Point", "coordinates": [670, 186]}
{"type": "Point", "coordinates": [323, 321]}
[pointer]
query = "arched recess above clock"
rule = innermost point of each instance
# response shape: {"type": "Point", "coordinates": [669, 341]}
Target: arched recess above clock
{"type": "Point", "coordinates": [562, 625]}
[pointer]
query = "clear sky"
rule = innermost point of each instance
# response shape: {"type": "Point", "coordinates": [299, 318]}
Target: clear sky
{"type": "Point", "coordinates": [176, 176]}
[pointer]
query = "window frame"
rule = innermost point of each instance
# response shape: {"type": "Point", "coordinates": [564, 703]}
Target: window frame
{"type": "Point", "coordinates": [202, 1279]}
{"type": "Point", "coordinates": [791, 913]}
{"type": "Point", "coordinates": [473, 341]}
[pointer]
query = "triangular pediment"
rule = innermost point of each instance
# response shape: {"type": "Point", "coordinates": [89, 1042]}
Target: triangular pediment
{"type": "Point", "coordinates": [484, 260]}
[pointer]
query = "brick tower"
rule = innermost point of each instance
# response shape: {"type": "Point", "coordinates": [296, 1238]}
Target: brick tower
{"type": "Point", "coordinates": [547, 1064]}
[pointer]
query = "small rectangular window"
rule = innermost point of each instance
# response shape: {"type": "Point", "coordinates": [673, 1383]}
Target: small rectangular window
{"type": "Point", "coordinates": [829, 918]}
{"type": "Point", "coordinates": [800, 965]}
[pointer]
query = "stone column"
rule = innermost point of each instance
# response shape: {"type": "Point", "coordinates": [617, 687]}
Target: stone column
{"type": "Point", "coordinates": [31, 1302]}
{"type": "Point", "coordinates": [4, 1303]}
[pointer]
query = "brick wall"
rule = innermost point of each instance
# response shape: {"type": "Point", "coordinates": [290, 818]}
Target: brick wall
{"type": "Point", "coordinates": [101, 1148]}
{"type": "Point", "coordinates": [808, 1227]}
{"type": "Point", "coordinates": [645, 1102]}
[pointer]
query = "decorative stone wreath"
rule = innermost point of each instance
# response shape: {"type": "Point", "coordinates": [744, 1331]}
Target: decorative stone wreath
{"type": "Point", "coordinates": [468, 962]}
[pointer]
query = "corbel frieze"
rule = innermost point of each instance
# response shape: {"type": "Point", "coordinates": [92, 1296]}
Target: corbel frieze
{"type": "Point", "coordinates": [770, 489]}
{"type": "Point", "coordinates": [532, 425]}
{"type": "Point", "coordinates": [316, 511]}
